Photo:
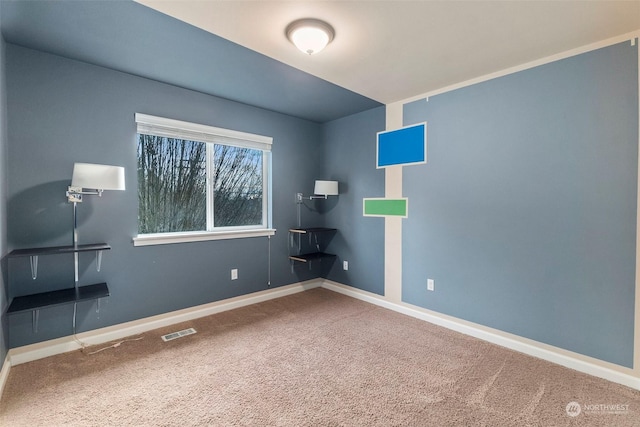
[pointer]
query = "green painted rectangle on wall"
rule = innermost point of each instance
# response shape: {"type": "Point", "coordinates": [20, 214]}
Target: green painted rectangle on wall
{"type": "Point", "coordinates": [385, 207]}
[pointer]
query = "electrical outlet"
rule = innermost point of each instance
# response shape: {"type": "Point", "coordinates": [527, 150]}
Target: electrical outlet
{"type": "Point", "coordinates": [345, 265]}
{"type": "Point", "coordinates": [234, 274]}
{"type": "Point", "coordinates": [431, 286]}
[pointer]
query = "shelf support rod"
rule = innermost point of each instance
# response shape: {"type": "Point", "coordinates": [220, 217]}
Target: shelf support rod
{"type": "Point", "coordinates": [98, 260]}
{"type": "Point", "coordinates": [34, 266]}
{"type": "Point", "coordinates": [268, 261]}
{"type": "Point", "coordinates": [75, 313]}
{"type": "Point", "coordinates": [35, 317]}
{"type": "Point", "coordinates": [75, 242]}
{"type": "Point", "coordinates": [298, 203]}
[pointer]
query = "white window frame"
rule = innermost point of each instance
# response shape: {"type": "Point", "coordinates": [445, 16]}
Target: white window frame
{"type": "Point", "coordinates": [170, 128]}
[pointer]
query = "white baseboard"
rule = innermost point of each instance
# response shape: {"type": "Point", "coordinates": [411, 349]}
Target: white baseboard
{"type": "Point", "coordinates": [4, 374]}
{"type": "Point", "coordinates": [595, 367]}
{"type": "Point", "coordinates": [48, 348]}
{"type": "Point", "coordinates": [579, 362]}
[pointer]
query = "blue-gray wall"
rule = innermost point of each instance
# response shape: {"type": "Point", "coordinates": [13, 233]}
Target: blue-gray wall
{"type": "Point", "coordinates": [350, 159]}
{"type": "Point", "coordinates": [63, 111]}
{"type": "Point", "coordinates": [126, 36]}
{"type": "Point", "coordinates": [4, 325]}
{"type": "Point", "coordinates": [525, 214]}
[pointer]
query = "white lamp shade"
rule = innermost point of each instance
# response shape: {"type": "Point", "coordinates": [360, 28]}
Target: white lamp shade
{"type": "Point", "coordinates": [326, 188]}
{"type": "Point", "coordinates": [98, 177]}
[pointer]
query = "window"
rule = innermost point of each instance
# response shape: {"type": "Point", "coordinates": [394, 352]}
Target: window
{"type": "Point", "coordinates": [198, 182]}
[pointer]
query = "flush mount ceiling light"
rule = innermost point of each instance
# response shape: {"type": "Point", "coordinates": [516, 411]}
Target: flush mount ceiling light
{"type": "Point", "coordinates": [310, 35]}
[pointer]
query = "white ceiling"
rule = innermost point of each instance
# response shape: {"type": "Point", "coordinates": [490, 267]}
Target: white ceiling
{"type": "Point", "coordinates": [394, 50]}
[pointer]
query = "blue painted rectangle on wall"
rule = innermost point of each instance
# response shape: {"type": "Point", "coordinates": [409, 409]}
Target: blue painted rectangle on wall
{"type": "Point", "coordinates": [404, 146]}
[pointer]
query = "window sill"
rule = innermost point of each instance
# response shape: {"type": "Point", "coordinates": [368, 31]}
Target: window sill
{"type": "Point", "coordinates": [198, 236]}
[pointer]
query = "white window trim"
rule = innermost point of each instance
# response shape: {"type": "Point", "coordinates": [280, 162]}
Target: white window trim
{"type": "Point", "coordinates": [199, 236]}
{"type": "Point", "coordinates": [170, 128]}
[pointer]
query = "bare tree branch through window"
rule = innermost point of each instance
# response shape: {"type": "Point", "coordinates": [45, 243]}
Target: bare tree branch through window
{"type": "Point", "coordinates": [173, 181]}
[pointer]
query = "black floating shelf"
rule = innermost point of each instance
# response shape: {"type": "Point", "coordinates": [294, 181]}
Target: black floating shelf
{"type": "Point", "coordinates": [315, 256]}
{"type": "Point", "coordinates": [311, 230]}
{"type": "Point", "coordinates": [60, 297]}
{"type": "Point", "coordinates": [53, 250]}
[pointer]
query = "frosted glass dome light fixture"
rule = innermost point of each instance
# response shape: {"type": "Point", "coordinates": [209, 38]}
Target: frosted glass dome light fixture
{"type": "Point", "coordinates": [310, 35]}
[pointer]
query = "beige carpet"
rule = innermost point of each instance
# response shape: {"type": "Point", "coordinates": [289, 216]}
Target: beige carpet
{"type": "Point", "coordinates": [312, 359]}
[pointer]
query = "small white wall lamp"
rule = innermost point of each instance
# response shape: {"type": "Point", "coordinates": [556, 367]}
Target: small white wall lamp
{"type": "Point", "coordinates": [310, 35]}
{"type": "Point", "coordinates": [91, 179]}
{"type": "Point", "coordinates": [321, 190]}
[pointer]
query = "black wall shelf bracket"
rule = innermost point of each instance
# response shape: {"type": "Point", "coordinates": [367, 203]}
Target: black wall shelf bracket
{"type": "Point", "coordinates": [33, 254]}
{"type": "Point", "coordinates": [70, 295]}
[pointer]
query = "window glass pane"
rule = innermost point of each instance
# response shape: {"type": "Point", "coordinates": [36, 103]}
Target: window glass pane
{"type": "Point", "coordinates": [172, 185]}
{"type": "Point", "coordinates": [237, 186]}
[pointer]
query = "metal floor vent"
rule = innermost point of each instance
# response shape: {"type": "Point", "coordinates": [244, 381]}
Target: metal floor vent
{"type": "Point", "coordinates": [179, 334]}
